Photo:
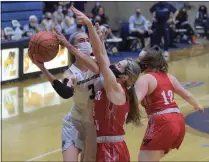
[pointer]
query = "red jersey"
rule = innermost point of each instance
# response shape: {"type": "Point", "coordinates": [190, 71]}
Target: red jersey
{"type": "Point", "coordinates": [109, 118]}
{"type": "Point", "coordinates": [162, 97]}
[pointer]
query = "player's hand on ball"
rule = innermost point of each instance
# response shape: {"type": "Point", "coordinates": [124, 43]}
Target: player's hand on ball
{"type": "Point", "coordinates": [82, 18]}
{"type": "Point", "coordinates": [40, 65]}
{"type": "Point", "coordinates": [60, 37]}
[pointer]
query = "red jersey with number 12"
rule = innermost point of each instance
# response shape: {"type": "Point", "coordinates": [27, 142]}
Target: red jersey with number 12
{"type": "Point", "coordinates": [109, 118]}
{"type": "Point", "coordinates": [162, 97]}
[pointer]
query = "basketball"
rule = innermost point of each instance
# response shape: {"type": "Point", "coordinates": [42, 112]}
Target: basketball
{"type": "Point", "coordinates": [44, 45]}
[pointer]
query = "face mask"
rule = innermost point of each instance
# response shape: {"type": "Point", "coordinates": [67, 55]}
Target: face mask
{"type": "Point", "coordinates": [115, 71]}
{"type": "Point", "coordinates": [48, 18]}
{"type": "Point", "coordinates": [85, 47]}
{"type": "Point", "coordinates": [138, 14]}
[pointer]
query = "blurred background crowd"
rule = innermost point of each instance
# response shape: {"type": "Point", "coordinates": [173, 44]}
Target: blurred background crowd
{"type": "Point", "coordinates": [169, 24]}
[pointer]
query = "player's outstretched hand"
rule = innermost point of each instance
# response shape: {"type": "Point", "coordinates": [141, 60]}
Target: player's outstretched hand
{"type": "Point", "coordinates": [82, 18]}
{"type": "Point", "coordinates": [60, 37]}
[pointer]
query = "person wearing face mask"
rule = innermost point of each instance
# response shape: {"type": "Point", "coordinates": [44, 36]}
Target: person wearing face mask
{"type": "Point", "coordinates": [80, 83]}
{"type": "Point", "coordinates": [163, 15]}
{"type": "Point", "coordinates": [138, 27]}
{"type": "Point", "coordinates": [202, 19]}
{"type": "Point", "coordinates": [33, 26]}
{"type": "Point", "coordinates": [68, 22]}
{"type": "Point", "coordinates": [77, 27]}
{"type": "Point", "coordinates": [115, 103]}
{"type": "Point", "coordinates": [47, 22]}
{"type": "Point", "coordinates": [95, 10]}
{"type": "Point", "coordinates": [181, 22]}
{"type": "Point", "coordinates": [58, 16]}
{"type": "Point", "coordinates": [101, 13]}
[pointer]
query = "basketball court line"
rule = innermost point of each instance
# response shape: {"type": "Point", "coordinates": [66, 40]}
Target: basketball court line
{"type": "Point", "coordinates": [57, 150]}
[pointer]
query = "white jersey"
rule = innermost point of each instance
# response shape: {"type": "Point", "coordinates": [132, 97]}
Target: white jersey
{"type": "Point", "coordinates": [85, 87]}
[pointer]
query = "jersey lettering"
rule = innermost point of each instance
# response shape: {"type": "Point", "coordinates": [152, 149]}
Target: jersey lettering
{"type": "Point", "coordinates": [170, 94]}
{"type": "Point", "coordinates": [91, 88]}
{"type": "Point", "coordinates": [88, 79]}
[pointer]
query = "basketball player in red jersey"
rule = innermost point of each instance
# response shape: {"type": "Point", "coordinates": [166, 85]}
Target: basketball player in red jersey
{"type": "Point", "coordinates": [155, 91]}
{"type": "Point", "coordinates": [115, 105]}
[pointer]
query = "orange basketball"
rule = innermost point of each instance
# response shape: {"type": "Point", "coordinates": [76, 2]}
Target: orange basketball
{"type": "Point", "coordinates": [44, 45]}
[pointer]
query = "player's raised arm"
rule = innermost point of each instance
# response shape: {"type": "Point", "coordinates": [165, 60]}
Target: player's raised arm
{"type": "Point", "coordinates": [114, 91]}
{"type": "Point", "coordinates": [186, 95]}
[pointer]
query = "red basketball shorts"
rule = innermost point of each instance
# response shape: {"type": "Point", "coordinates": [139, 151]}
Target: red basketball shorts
{"type": "Point", "coordinates": [111, 152]}
{"type": "Point", "coordinates": [164, 132]}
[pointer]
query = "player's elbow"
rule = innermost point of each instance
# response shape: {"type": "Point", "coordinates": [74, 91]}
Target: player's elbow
{"type": "Point", "coordinates": [63, 90]}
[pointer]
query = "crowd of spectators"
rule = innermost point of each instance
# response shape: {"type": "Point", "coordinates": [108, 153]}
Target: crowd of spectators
{"type": "Point", "coordinates": [166, 20]}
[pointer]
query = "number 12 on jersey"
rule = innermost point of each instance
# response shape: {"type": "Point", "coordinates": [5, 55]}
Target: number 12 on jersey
{"type": "Point", "coordinates": [167, 100]}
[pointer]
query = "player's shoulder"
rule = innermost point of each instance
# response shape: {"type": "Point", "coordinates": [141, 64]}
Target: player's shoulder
{"type": "Point", "coordinates": [147, 76]}
{"type": "Point", "coordinates": [171, 77]}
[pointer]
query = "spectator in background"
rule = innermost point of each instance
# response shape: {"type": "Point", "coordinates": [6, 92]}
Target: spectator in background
{"type": "Point", "coordinates": [97, 19]}
{"type": "Point", "coordinates": [77, 27]}
{"type": "Point", "coordinates": [68, 22]}
{"type": "Point", "coordinates": [181, 22]}
{"type": "Point", "coordinates": [138, 26]}
{"type": "Point", "coordinates": [33, 26]}
{"type": "Point", "coordinates": [65, 5]}
{"type": "Point", "coordinates": [95, 10]}
{"type": "Point", "coordinates": [162, 16]}
{"type": "Point", "coordinates": [58, 16]}
{"type": "Point", "coordinates": [47, 22]}
{"type": "Point", "coordinates": [202, 19]}
{"type": "Point", "coordinates": [104, 18]}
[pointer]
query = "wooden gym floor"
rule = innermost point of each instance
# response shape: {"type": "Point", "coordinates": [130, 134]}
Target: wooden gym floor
{"type": "Point", "coordinates": [33, 131]}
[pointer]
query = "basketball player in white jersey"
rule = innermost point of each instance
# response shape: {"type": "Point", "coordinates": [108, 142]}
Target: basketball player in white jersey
{"type": "Point", "coordinates": [78, 132]}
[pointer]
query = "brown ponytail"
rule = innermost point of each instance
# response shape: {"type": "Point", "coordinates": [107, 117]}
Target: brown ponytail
{"type": "Point", "coordinates": [133, 70]}
{"type": "Point", "coordinates": [134, 115]}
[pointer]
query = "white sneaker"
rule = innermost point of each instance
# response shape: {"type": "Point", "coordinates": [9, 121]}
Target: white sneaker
{"type": "Point", "coordinates": [166, 55]}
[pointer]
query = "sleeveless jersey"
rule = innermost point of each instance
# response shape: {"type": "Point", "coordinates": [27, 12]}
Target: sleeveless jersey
{"type": "Point", "coordinates": [85, 87]}
{"type": "Point", "coordinates": [109, 118]}
{"type": "Point", "coordinates": [162, 97]}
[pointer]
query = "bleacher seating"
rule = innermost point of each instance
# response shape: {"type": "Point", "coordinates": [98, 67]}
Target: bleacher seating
{"type": "Point", "coordinates": [11, 11]}
{"type": "Point", "coordinates": [134, 42]}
